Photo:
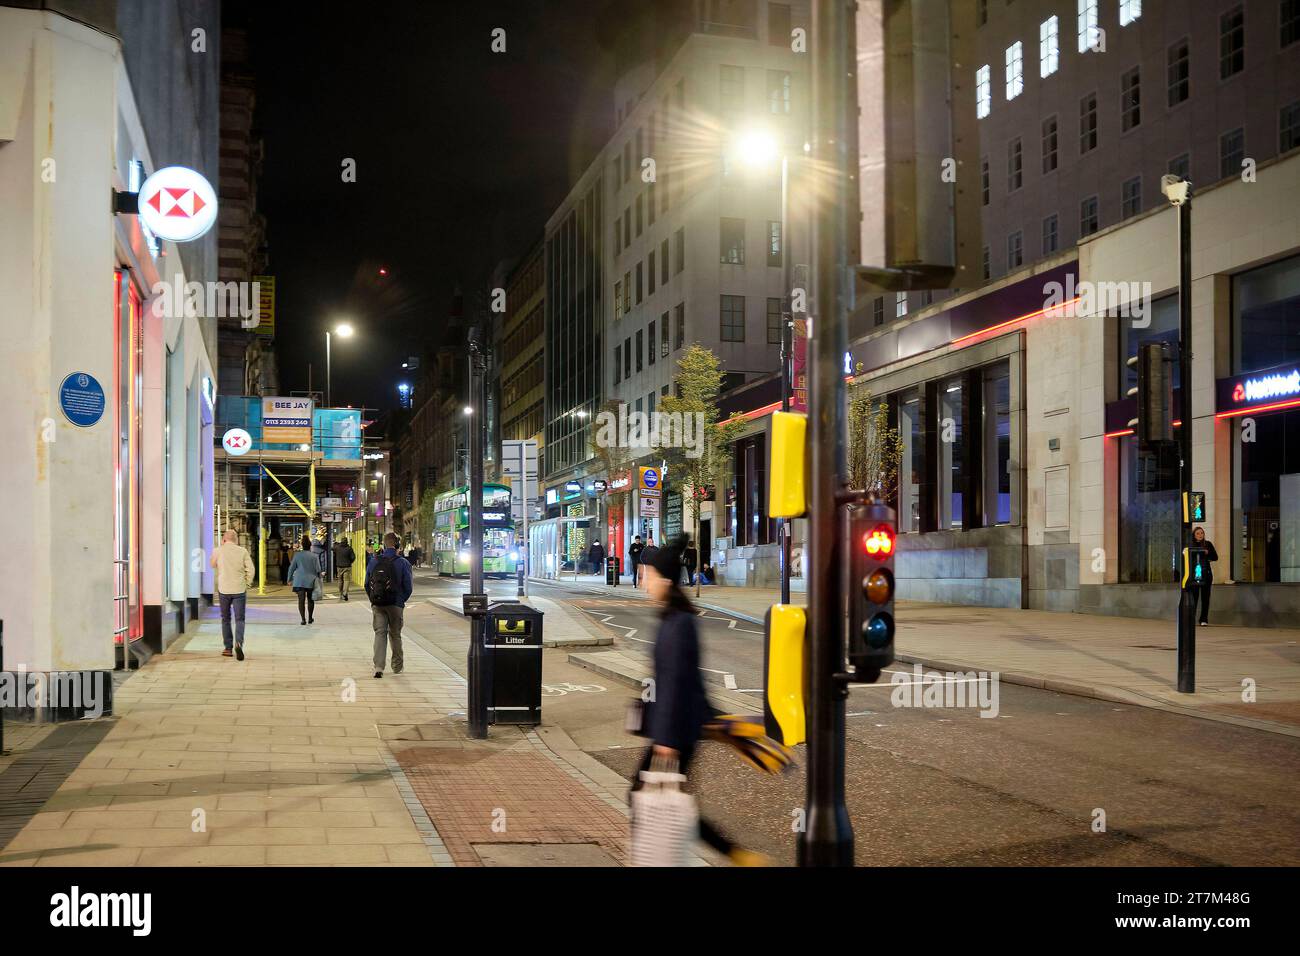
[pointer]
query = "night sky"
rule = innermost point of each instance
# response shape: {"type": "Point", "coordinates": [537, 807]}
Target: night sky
{"type": "Point", "coordinates": [462, 154]}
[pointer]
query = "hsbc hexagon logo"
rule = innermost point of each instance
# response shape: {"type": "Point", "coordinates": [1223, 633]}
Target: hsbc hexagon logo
{"type": "Point", "coordinates": [177, 203]}
{"type": "Point", "coordinates": [237, 442]}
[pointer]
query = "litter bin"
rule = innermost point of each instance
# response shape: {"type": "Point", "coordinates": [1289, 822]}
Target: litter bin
{"type": "Point", "coordinates": [514, 639]}
{"type": "Point", "coordinates": [611, 571]}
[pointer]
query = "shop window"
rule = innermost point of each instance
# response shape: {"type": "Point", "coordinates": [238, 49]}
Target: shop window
{"type": "Point", "coordinates": [997, 444]}
{"type": "Point", "coordinates": [1150, 516]}
{"type": "Point", "coordinates": [911, 467]}
{"type": "Point", "coordinates": [1266, 304]}
{"type": "Point", "coordinates": [952, 465]}
{"type": "Point", "coordinates": [1267, 499]}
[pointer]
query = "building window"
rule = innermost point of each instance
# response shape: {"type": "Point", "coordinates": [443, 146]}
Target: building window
{"type": "Point", "coordinates": [640, 347]}
{"type": "Point", "coordinates": [1088, 123]}
{"type": "Point", "coordinates": [639, 280]}
{"type": "Point", "coordinates": [1181, 166]}
{"type": "Point", "coordinates": [1051, 238]}
{"type": "Point", "coordinates": [1129, 10]}
{"type": "Point", "coordinates": [1015, 165]}
{"type": "Point", "coordinates": [627, 227]}
{"type": "Point", "coordinates": [952, 476]}
{"type": "Point", "coordinates": [650, 204]}
{"type": "Point", "coordinates": [912, 467]}
{"type": "Point", "coordinates": [996, 450]}
{"type": "Point", "coordinates": [653, 343]}
{"type": "Point", "coordinates": [1130, 100]}
{"type": "Point", "coordinates": [1289, 126]}
{"type": "Point", "coordinates": [878, 310]}
{"type": "Point", "coordinates": [773, 321]}
{"type": "Point", "coordinates": [731, 87]}
{"type": "Point", "coordinates": [1149, 513]}
{"type": "Point", "coordinates": [679, 326]}
{"type": "Point", "coordinates": [982, 13]}
{"type": "Point", "coordinates": [650, 403]}
{"type": "Point", "coordinates": [900, 304]}
{"type": "Point", "coordinates": [1088, 217]}
{"type": "Point", "coordinates": [1049, 47]}
{"type": "Point", "coordinates": [1178, 72]}
{"type": "Point", "coordinates": [1290, 17]}
{"type": "Point", "coordinates": [1232, 151]}
{"type": "Point", "coordinates": [1130, 200]}
{"type": "Point", "coordinates": [627, 292]}
{"type": "Point", "coordinates": [1232, 42]}
{"type": "Point", "coordinates": [778, 24]}
{"type": "Point", "coordinates": [650, 274]}
{"type": "Point", "coordinates": [1049, 144]}
{"type": "Point", "coordinates": [773, 243]}
{"type": "Point", "coordinates": [627, 161]}
{"type": "Point", "coordinates": [680, 262]}
{"type": "Point", "coordinates": [1264, 303]}
{"type": "Point", "coordinates": [778, 92]}
{"type": "Point", "coordinates": [732, 250]}
{"type": "Point", "coordinates": [1015, 70]}
{"type": "Point", "coordinates": [663, 262]}
{"type": "Point", "coordinates": [640, 212]}
{"type": "Point", "coordinates": [618, 237]}
{"type": "Point", "coordinates": [987, 268]}
{"type": "Point", "coordinates": [663, 335]}
{"type": "Point", "coordinates": [618, 364]}
{"type": "Point", "coordinates": [983, 92]}
{"type": "Point", "coordinates": [984, 180]}
{"type": "Point", "coordinates": [627, 357]}
{"type": "Point", "coordinates": [733, 318]}
{"type": "Point", "coordinates": [1015, 250]}
{"type": "Point", "coordinates": [618, 299]}
{"type": "Point", "coordinates": [1089, 31]}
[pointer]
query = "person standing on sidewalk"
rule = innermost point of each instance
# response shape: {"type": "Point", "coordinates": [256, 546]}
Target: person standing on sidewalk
{"type": "Point", "coordinates": [648, 554]}
{"type": "Point", "coordinates": [235, 572]}
{"type": "Point", "coordinates": [679, 707]}
{"type": "Point", "coordinates": [284, 561]}
{"type": "Point", "coordinates": [389, 585]}
{"type": "Point", "coordinates": [634, 553]}
{"type": "Point", "coordinates": [303, 572]}
{"type": "Point", "coordinates": [689, 558]}
{"type": "Point", "coordinates": [596, 555]}
{"type": "Point", "coordinates": [1202, 590]}
{"type": "Point", "coordinates": [344, 557]}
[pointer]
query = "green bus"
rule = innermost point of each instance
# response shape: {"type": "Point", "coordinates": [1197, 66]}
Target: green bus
{"type": "Point", "coordinates": [451, 531]}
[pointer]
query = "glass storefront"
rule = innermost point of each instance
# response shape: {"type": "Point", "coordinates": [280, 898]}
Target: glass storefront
{"type": "Point", "coordinates": [1150, 518]}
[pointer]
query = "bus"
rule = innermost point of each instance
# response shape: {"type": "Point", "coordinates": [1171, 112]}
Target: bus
{"type": "Point", "coordinates": [451, 531]}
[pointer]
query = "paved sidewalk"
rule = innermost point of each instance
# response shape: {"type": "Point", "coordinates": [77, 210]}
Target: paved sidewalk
{"type": "Point", "coordinates": [298, 756]}
{"type": "Point", "coordinates": [1130, 660]}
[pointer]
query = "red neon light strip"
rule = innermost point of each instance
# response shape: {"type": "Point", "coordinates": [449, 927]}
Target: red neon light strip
{"type": "Point", "coordinates": [1129, 431]}
{"type": "Point", "coordinates": [1010, 322]}
{"type": "Point", "coordinates": [1259, 408]}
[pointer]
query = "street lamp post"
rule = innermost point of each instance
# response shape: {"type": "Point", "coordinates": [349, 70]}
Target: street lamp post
{"type": "Point", "coordinates": [344, 331]}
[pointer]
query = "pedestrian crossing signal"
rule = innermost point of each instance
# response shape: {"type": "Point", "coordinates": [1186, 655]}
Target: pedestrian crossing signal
{"type": "Point", "coordinates": [1193, 507]}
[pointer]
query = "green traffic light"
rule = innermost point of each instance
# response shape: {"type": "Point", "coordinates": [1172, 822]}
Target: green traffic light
{"type": "Point", "coordinates": [879, 631]}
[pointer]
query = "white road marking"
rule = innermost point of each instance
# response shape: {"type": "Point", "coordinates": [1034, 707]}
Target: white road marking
{"type": "Point", "coordinates": [729, 681]}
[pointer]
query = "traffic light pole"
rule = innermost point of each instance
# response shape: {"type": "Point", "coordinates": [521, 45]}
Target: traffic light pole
{"type": "Point", "coordinates": [1186, 625]}
{"type": "Point", "coordinates": [827, 838]}
{"type": "Point", "coordinates": [478, 662]}
{"type": "Point", "coordinates": [783, 528]}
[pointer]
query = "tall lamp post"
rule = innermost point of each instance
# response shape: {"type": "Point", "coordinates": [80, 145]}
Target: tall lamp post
{"type": "Point", "coordinates": [344, 331]}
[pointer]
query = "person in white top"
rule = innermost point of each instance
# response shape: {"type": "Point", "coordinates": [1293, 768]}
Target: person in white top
{"type": "Point", "coordinates": [235, 572]}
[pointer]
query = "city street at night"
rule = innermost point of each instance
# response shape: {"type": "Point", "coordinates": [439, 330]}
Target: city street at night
{"type": "Point", "coordinates": [857, 440]}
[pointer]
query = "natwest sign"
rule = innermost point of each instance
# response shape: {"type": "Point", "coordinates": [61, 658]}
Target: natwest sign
{"type": "Point", "coordinates": [1277, 387]}
{"type": "Point", "coordinates": [177, 203]}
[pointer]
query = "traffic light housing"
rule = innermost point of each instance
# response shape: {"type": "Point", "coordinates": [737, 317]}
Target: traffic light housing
{"type": "Point", "coordinates": [872, 538]}
{"type": "Point", "coordinates": [788, 445]}
{"type": "Point", "coordinates": [1154, 392]}
{"type": "Point", "coordinates": [783, 669]}
{"type": "Point", "coordinates": [1193, 507]}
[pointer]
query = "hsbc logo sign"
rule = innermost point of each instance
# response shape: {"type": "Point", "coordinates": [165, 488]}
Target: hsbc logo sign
{"type": "Point", "coordinates": [177, 203]}
{"type": "Point", "coordinates": [237, 442]}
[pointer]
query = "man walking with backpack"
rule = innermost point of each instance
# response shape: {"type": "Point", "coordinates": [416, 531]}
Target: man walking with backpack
{"type": "Point", "coordinates": [344, 557]}
{"type": "Point", "coordinates": [389, 585]}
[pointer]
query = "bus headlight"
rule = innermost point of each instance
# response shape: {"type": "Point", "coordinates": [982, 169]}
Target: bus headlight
{"type": "Point", "coordinates": [514, 555]}
{"type": "Point", "coordinates": [464, 556]}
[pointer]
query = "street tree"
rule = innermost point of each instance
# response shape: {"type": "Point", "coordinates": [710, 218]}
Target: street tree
{"type": "Point", "coordinates": [875, 447]}
{"type": "Point", "coordinates": [700, 465]}
{"type": "Point", "coordinates": [616, 459]}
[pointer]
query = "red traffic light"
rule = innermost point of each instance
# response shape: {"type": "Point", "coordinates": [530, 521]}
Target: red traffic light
{"type": "Point", "coordinates": [879, 541]}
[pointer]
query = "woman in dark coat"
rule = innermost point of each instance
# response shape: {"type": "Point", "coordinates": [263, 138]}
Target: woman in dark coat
{"type": "Point", "coordinates": [679, 707]}
{"type": "Point", "coordinates": [1202, 590]}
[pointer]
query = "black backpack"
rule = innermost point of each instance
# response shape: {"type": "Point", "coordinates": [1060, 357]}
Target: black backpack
{"type": "Point", "coordinates": [381, 583]}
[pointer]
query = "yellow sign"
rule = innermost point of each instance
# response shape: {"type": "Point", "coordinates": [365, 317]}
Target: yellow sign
{"type": "Point", "coordinates": [265, 305]}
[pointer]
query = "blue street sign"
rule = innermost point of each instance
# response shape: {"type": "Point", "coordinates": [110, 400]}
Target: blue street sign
{"type": "Point", "coordinates": [82, 399]}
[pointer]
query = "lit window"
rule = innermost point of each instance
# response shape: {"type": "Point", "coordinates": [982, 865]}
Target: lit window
{"type": "Point", "coordinates": [900, 305]}
{"type": "Point", "coordinates": [1015, 70]}
{"type": "Point", "coordinates": [1089, 32]}
{"type": "Point", "coordinates": [1049, 46]}
{"type": "Point", "coordinates": [1129, 10]}
{"type": "Point", "coordinates": [983, 92]}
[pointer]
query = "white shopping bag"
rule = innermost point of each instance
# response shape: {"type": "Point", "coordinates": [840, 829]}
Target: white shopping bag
{"type": "Point", "coordinates": [665, 820]}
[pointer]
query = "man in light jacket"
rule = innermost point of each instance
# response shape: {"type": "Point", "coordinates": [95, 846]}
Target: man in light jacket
{"type": "Point", "coordinates": [235, 572]}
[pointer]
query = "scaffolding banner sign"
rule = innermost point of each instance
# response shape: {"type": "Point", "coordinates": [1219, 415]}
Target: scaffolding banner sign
{"type": "Point", "coordinates": [286, 420]}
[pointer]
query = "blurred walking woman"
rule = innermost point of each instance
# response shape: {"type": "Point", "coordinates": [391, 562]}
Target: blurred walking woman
{"type": "Point", "coordinates": [303, 572]}
{"type": "Point", "coordinates": [673, 719]}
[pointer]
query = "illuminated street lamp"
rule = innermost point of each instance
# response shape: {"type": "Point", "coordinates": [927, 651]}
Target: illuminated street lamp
{"type": "Point", "coordinates": [344, 331]}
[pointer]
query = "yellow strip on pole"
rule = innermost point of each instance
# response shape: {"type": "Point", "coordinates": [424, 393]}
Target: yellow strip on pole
{"type": "Point", "coordinates": [261, 560]}
{"type": "Point", "coordinates": [290, 493]}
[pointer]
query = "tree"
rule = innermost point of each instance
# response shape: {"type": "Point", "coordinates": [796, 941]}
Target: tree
{"type": "Point", "coordinates": [875, 448]}
{"type": "Point", "coordinates": [424, 514]}
{"type": "Point", "coordinates": [700, 453]}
